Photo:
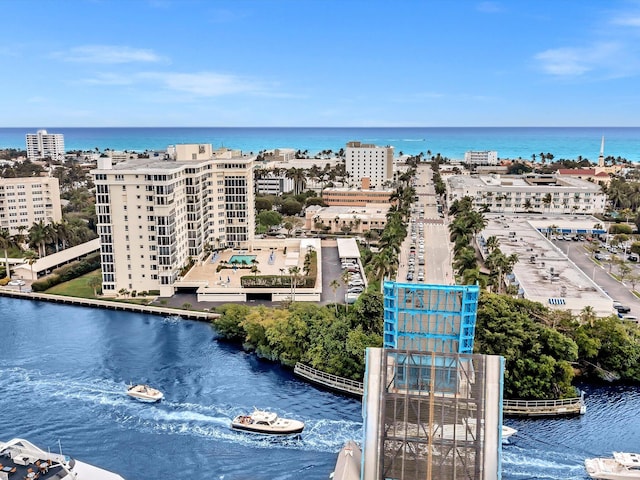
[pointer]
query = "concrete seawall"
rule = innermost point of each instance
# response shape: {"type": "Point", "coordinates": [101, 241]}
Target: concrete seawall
{"type": "Point", "coordinates": [109, 305]}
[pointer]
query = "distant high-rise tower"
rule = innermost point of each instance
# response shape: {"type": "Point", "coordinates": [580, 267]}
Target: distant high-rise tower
{"type": "Point", "coordinates": [369, 161]}
{"type": "Point", "coordinates": [45, 145]}
{"type": "Point", "coordinates": [601, 157]}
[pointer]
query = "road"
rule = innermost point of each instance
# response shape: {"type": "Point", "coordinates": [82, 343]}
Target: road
{"type": "Point", "coordinates": [599, 274]}
{"type": "Point", "coordinates": [437, 249]}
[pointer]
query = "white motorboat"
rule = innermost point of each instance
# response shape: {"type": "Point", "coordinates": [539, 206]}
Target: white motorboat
{"type": "Point", "coordinates": [21, 459]}
{"type": "Point", "coordinates": [266, 423]}
{"type": "Point", "coordinates": [623, 466]}
{"type": "Point", "coordinates": [145, 393]}
{"type": "Point", "coordinates": [508, 432]}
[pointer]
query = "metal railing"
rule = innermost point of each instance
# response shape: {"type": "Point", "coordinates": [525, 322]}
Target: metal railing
{"type": "Point", "coordinates": [565, 406]}
{"type": "Point", "coordinates": [333, 382]}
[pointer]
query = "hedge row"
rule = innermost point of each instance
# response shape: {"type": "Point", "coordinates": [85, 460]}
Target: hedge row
{"type": "Point", "coordinates": [68, 272]}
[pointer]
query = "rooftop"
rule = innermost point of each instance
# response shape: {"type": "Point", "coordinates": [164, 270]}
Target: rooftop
{"type": "Point", "coordinates": [543, 272]}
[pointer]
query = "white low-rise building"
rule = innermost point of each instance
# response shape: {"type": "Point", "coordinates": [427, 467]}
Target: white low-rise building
{"type": "Point", "coordinates": [485, 157]}
{"type": "Point", "coordinates": [523, 193]}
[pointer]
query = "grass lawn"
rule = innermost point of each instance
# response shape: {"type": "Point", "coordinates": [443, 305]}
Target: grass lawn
{"type": "Point", "coordinates": [78, 287]}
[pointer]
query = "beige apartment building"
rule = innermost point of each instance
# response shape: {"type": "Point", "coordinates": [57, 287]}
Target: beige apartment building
{"type": "Point", "coordinates": [158, 214]}
{"type": "Point", "coordinates": [364, 160]}
{"type": "Point", "coordinates": [355, 196]}
{"type": "Point", "coordinates": [343, 219]}
{"type": "Point", "coordinates": [29, 200]}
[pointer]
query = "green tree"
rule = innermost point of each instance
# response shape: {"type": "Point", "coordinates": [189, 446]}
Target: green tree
{"type": "Point", "coordinates": [269, 218]}
{"type": "Point", "coordinates": [95, 282]}
{"type": "Point", "coordinates": [291, 207]}
{"type": "Point", "coordinates": [263, 204]}
{"type": "Point", "coordinates": [229, 323]}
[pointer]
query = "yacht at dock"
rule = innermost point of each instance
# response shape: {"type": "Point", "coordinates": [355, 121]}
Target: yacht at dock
{"type": "Point", "coordinates": [20, 459]}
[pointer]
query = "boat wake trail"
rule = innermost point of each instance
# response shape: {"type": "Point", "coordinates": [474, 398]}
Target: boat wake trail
{"type": "Point", "coordinates": [518, 463]}
{"type": "Point", "coordinates": [107, 400]}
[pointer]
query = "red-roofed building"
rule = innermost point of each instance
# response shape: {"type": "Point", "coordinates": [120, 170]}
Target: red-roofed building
{"type": "Point", "coordinates": [592, 174]}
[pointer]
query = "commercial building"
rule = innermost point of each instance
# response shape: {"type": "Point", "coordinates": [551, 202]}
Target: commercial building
{"type": "Point", "coordinates": [272, 183]}
{"type": "Point", "coordinates": [487, 157]}
{"type": "Point", "coordinates": [521, 193]}
{"type": "Point", "coordinates": [29, 200]}
{"type": "Point", "coordinates": [543, 273]}
{"type": "Point", "coordinates": [364, 160]}
{"type": "Point", "coordinates": [355, 196]}
{"type": "Point", "coordinates": [157, 215]}
{"type": "Point", "coordinates": [341, 219]}
{"type": "Point", "coordinates": [45, 145]}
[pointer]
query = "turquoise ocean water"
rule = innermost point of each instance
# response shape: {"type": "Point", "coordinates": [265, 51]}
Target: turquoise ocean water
{"type": "Point", "coordinates": [509, 142]}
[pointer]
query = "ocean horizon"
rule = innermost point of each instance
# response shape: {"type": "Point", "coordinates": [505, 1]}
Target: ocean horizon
{"type": "Point", "coordinates": [568, 143]}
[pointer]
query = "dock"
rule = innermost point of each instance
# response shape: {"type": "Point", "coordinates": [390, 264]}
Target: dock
{"type": "Point", "coordinates": [331, 382]}
{"type": "Point", "coordinates": [110, 305]}
{"type": "Point", "coordinates": [522, 408]}
{"type": "Point", "coordinates": [545, 408]}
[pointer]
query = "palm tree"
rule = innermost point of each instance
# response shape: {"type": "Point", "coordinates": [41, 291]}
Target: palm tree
{"type": "Point", "coordinates": [465, 260]}
{"type": "Point", "coordinates": [31, 257]}
{"type": "Point", "coordinates": [492, 243]}
{"type": "Point", "coordinates": [588, 315]}
{"type": "Point", "coordinates": [295, 275]}
{"type": "Point", "coordinates": [6, 242]}
{"type": "Point", "coordinates": [38, 235]}
{"type": "Point", "coordinates": [334, 286]}
{"type": "Point", "coordinates": [299, 179]}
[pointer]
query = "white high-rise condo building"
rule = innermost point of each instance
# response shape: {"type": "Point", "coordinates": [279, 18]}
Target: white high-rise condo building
{"type": "Point", "coordinates": [158, 214]}
{"type": "Point", "coordinates": [486, 157]}
{"type": "Point", "coordinates": [29, 200]}
{"type": "Point", "coordinates": [369, 161]}
{"type": "Point", "coordinates": [45, 145]}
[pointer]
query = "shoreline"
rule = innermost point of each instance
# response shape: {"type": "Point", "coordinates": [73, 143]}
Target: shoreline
{"type": "Point", "coordinates": [110, 305]}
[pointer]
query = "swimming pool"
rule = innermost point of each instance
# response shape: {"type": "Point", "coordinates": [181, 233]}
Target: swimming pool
{"type": "Point", "coordinates": [242, 259]}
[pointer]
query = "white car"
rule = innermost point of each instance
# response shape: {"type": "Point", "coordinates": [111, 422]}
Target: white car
{"type": "Point", "coordinates": [17, 283]}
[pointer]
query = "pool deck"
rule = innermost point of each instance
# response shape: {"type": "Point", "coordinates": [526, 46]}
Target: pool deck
{"type": "Point", "coordinates": [270, 258]}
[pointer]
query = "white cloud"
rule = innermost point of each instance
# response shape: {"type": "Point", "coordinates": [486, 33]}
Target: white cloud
{"type": "Point", "coordinates": [489, 7]}
{"type": "Point", "coordinates": [205, 84]}
{"type": "Point", "coordinates": [110, 54]}
{"type": "Point", "coordinates": [109, 79]}
{"type": "Point", "coordinates": [573, 61]}
{"type": "Point", "coordinates": [627, 21]}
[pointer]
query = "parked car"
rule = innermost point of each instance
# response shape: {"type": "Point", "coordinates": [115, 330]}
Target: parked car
{"type": "Point", "coordinates": [355, 290]}
{"type": "Point", "coordinates": [17, 283]}
{"type": "Point", "coordinates": [622, 309]}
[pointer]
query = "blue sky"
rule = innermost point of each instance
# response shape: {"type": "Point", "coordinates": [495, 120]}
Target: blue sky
{"type": "Point", "coordinates": [70, 63]}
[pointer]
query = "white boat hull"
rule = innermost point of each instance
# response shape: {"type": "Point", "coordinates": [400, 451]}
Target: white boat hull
{"type": "Point", "coordinates": [623, 466]}
{"type": "Point", "coordinates": [145, 394]}
{"type": "Point", "coordinates": [266, 423]}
